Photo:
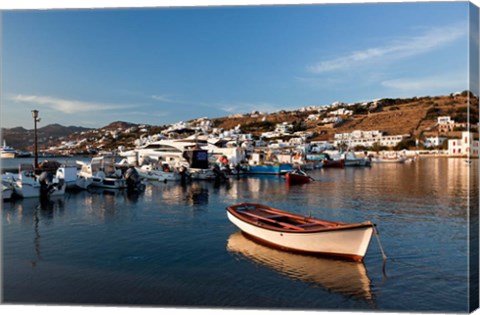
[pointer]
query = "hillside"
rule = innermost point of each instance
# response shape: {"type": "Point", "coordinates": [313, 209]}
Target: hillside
{"type": "Point", "coordinates": [22, 139]}
{"type": "Point", "coordinates": [415, 116]}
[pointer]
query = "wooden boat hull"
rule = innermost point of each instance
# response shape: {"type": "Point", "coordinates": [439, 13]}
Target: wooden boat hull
{"type": "Point", "coordinates": [349, 241]}
{"type": "Point", "coordinates": [297, 178]}
{"type": "Point", "coordinates": [334, 163]}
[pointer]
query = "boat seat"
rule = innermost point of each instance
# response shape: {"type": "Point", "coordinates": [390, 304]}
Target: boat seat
{"type": "Point", "coordinates": [309, 224]}
{"type": "Point", "coordinates": [275, 216]}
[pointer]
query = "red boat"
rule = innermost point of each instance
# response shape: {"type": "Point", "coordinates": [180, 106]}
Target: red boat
{"type": "Point", "coordinates": [334, 163]}
{"type": "Point", "coordinates": [298, 177]}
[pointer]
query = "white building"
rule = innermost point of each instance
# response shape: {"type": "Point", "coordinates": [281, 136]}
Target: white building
{"type": "Point", "coordinates": [367, 138]}
{"type": "Point", "coordinates": [341, 112]}
{"type": "Point", "coordinates": [313, 117]}
{"type": "Point", "coordinates": [445, 124]}
{"type": "Point", "coordinates": [435, 141]}
{"type": "Point", "coordinates": [283, 128]}
{"type": "Point", "coordinates": [332, 120]}
{"type": "Point", "coordinates": [464, 146]}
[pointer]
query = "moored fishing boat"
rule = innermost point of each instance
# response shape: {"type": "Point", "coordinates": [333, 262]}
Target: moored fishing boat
{"type": "Point", "coordinates": [352, 160]}
{"type": "Point", "coordinates": [298, 177]}
{"type": "Point", "coordinates": [27, 184]}
{"type": "Point", "coordinates": [7, 152]}
{"type": "Point", "coordinates": [302, 234]}
{"type": "Point", "coordinates": [269, 169]}
{"type": "Point", "coordinates": [389, 158]}
{"type": "Point", "coordinates": [71, 178]}
{"type": "Point", "coordinates": [101, 172]}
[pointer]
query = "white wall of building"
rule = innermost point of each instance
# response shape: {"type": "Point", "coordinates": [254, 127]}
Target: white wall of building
{"type": "Point", "coordinates": [464, 146]}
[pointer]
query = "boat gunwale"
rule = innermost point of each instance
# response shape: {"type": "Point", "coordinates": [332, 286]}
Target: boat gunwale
{"type": "Point", "coordinates": [335, 226]}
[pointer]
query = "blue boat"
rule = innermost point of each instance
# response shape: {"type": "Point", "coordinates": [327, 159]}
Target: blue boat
{"type": "Point", "coordinates": [270, 169]}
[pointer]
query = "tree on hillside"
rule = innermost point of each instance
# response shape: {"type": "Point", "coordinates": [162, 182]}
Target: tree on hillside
{"type": "Point", "coordinates": [406, 144]}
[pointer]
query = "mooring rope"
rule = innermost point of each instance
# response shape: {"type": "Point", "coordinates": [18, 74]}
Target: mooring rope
{"type": "Point", "coordinates": [379, 243]}
{"type": "Point", "coordinates": [384, 271]}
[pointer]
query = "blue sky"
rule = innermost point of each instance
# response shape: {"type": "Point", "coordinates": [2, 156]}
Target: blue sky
{"type": "Point", "coordinates": [159, 66]}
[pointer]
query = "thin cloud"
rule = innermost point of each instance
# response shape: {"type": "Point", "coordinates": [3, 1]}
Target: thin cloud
{"type": "Point", "coordinates": [434, 83]}
{"type": "Point", "coordinates": [395, 50]}
{"type": "Point", "coordinates": [64, 105]}
{"type": "Point", "coordinates": [163, 98]}
{"type": "Point", "coordinates": [236, 108]}
{"type": "Point", "coordinates": [230, 108]}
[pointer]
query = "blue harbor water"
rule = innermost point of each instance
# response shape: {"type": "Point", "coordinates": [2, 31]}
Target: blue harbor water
{"type": "Point", "coordinates": [173, 245]}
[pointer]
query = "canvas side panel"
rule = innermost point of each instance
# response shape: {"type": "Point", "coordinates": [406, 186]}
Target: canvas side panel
{"type": "Point", "coordinates": [474, 176]}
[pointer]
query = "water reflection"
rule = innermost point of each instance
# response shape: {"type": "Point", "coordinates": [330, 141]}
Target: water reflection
{"type": "Point", "coordinates": [30, 209]}
{"type": "Point", "coordinates": [344, 277]}
{"type": "Point", "coordinates": [35, 212]}
{"type": "Point", "coordinates": [171, 193]}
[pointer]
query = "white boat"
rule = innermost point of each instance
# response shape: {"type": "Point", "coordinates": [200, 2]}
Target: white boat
{"type": "Point", "coordinates": [389, 158]}
{"type": "Point", "coordinates": [163, 173]}
{"type": "Point", "coordinates": [28, 185]}
{"type": "Point", "coordinates": [301, 234]}
{"type": "Point", "coordinates": [177, 153]}
{"type": "Point", "coordinates": [72, 179]}
{"type": "Point", "coordinates": [7, 191]}
{"type": "Point", "coordinates": [102, 173]}
{"type": "Point", "coordinates": [352, 160]}
{"type": "Point", "coordinates": [172, 151]}
{"type": "Point", "coordinates": [7, 152]}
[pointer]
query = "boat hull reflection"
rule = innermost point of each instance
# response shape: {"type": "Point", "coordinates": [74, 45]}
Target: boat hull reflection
{"type": "Point", "coordinates": [339, 276]}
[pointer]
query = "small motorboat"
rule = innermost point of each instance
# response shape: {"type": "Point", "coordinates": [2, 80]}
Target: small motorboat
{"type": "Point", "coordinates": [162, 173]}
{"type": "Point", "coordinates": [298, 177]}
{"type": "Point", "coordinates": [302, 234]}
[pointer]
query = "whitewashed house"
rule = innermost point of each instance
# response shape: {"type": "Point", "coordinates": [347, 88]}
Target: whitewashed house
{"type": "Point", "coordinates": [341, 112]}
{"type": "Point", "coordinates": [445, 124]}
{"type": "Point", "coordinates": [463, 146]}
{"type": "Point", "coordinates": [367, 138]}
{"type": "Point", "coordinates": [435, 141]}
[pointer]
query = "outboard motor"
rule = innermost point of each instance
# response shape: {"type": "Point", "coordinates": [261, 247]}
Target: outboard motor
{"type": "Point", "coordinates": [219, 174]}
{"type": "Point", "coordinates": [46, 184]}
{"type": "Point", "coordinates": [184, 175]}
{"type": "Point", "coordinates": [134, 181]}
